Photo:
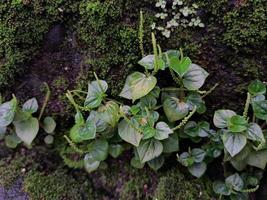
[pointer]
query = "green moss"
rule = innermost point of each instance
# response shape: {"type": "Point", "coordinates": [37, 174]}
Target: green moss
{"type": "Point", "coordinates": [109, 29]}
{"type": "Point", "coordinates": [174, 186]}
{"type": "Point", "coordinates": [60, 82]}
{"type": "Point", "coordinates": [23, 25]}
{"type": "Point", "coordinates": [139, 186]}
{"type": "Point", "coordinates": [245, 26]}
{"type": "Point", "coordinates": [57, 185]}
{"type": "Point", "coordinates": [9, 172]}
{"type": "Point", "coordinates": [71, 158]}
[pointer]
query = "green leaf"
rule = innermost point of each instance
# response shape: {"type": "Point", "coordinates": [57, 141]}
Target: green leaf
{"type": "Point", "coordinates": [136, 163]}
{"type": "Point", "coordinates": [195, 99]}
{"type": "Point", "coordinates": [138, 85]}
{"type": "Point", "coordinates": [198, 155]}
{"type": "Point", "coordinates": [260, 109]}
{"type": "Point", "coordinates": [195, 77]}
{"type": "Point", "coordinates": [109, 113]}
{"type": "Point", "coordinates": [169, 54]}
{"type": "Point", "coordinates": [171, 144]}
{"type": "Point", "coordinates": [258, 159]}
{"type": "Point", "coordinates": [98, 149]}
{"type": "Point", "coordinates": [175, 109]}
{"type": "Point", "coordinates": [193, 129]}
{"type": "Point", "coordinates": [30, 106]}
{"type": "Point", "coordinates": [148, 101]}
{"type": "Point", "coordinates": [128, 133]}
{"type": "Point", "coordinates": [12, 141]}
{"type": "Point", "coordinates": [239, 161]}
{"type": "Point", "coordinates": [180, 66]}
{"type": "Point", "coordinates": [148, 132]}
{"type": "Point", "coordinates": [90, 164]}
{"type": "Point", "coordinates": [256, 88]}
{"type": "Point", "coordinates": [27, 130]}
{"type": "Point", "coordinates": [237, 124]}
{"type": "Point", "coordinates": [234, 142]}
{"type": "Point", "coordinates": [156, 163]}
{"type": "Point", "coordinates": [197, 169]}
{"type": "Point", "coordinates": [49, 139]}
{"type": "Point", "coordinates": [186, 159]}
{"type": "Point", "coordinates": [95, 94]}
{"type": "Point", "coordinates": [49, 125]}
{"type": "Point", "coordinates": [220, 188]}
{"type": "Point", "coordinates": [81, 132]}
{"type": "Point", "coordinates": [7, 112]}
{"type": "Point", "coordinates": [79, 118]}
{"type": "Point", "coordinates": [235, 182]}
{"type": "Point", "coordinates": [149, 149]}
{"type": "Point", "coordinates": [221, 117]}
{"type": "Point", "coordinates": [147, 62]}
{"type": "Point", "coordinates": [255, 133]}
{"type": "Point", "coordinates": [162, 131]}
{"type": "Point", "coordinates": [2, 132]}
{"type": "Point", "coordinates": [115, 150]}
{"type": "Point", "coordinates": [101, 125]}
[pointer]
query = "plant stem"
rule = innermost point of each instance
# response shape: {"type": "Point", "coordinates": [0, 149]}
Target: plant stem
{"type": "Point", "coordinates": [47, 96]}
{"type": "Point", "coordinates": [183, 122]}
{"type": "Point", "coordinates": [245, 113]}
{"type": "Point", "coordinates": [210, 90]}
{"type": "Point", "coordinates": [71, 143]}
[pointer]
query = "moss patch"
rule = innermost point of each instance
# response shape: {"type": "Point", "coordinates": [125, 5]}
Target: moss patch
{"type": "Point", "coordinates": [57, 185]}
{"type": "Point", "coordinates": [174, 186]}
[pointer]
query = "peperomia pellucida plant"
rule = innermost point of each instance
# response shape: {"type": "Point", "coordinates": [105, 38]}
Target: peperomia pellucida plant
{"type": "Point", "coordinates": [150, 124]}
{"type": "Point", "coordinates": [21, 124]}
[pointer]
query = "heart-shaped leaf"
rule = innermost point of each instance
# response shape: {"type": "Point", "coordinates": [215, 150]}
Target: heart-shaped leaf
{"type": "Point", "coordinates": [180, 66]}
{"type": "Point", "coordinates": [95, 94]}
{"type": "Point", "coordinates": [30, 106]}
{"type": "Point", "coordinates": [109, 113]}
{"type": "Point", "coordinates": [260, 109]}
{"type": "Point", "coordinates": [171, 144]}
{"type": "Point", "coordinates": [115, 150]}
{"type": "Point", "coordinates": [255, 133]}
{"type": "Point", "coordinates": [197, 169]}
{"type": "Point", "coordinates": [162, 131]}
{"type": "Point", "coordinates": [49, 125]}
{"type": "Point", "coordinates": [156, 163]}
{"type": "Point", "coordinates": [195, 77]}
{"type": "Point", "coordinates": [27, 130]}
{"type": "Point", "coordinates": [235, 182]}
{"type": "Point", "coordinates": [147, 62]}
{"type": "Point", "coordinates": [129, 133]}
{"type": "Point", "coordinates": [12, 140]}
{"type": "Point", "coordinates": [148, 132]}
{"type": "Point", "coordinates": [138, 85]}
{"type": "Point", "coordinates": [98, 149]}
{"type": "Point", "coordinates": [175, 109]}
{"type": "Point", "coordinates": [149, 149]}
{"type": "Point", "coordinates": [258, 159]}
{"type": "Point", "coordinates": [257, 87]}
{"type": "Point", "coordinates": [198, 155]}
{"type": "Point", "coordinates": [90, 164]}
{"type": "Point", "coordinates": [82, 132]}
{"type": "Point", "coordinates": [7, 112]}
{"type": "Point", "coordinates": [234, 142]}
{"type": "Point", "coordinates": [221, 117]}
{"type": "Point", "coordinates": [237, 124]}
{"type": "Point", "coordinates": [220, 188]}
